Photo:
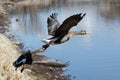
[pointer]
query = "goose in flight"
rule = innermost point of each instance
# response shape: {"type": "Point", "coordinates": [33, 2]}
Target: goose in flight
{"type": "Point", "coordinates": [60, 33]}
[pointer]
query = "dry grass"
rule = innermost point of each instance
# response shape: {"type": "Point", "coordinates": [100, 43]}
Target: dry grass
{"type": "Point", "coordinates": [33, 2]}
{"type": "Point", "coordinates": [8, 54]}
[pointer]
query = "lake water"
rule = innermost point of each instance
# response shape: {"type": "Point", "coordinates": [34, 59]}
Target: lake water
{"type": "Point", "coordinates": [95, 56]}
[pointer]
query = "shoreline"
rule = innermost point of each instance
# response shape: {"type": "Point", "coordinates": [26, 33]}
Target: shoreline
{"type": "Point", "coordinates": [11, 50]}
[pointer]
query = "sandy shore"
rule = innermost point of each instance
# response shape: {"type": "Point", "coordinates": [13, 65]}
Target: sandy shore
{"type": "Point", "coordinates": [8, 54]}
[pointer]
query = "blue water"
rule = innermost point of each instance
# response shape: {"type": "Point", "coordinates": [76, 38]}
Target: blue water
{"type": "Point", "coordinates": [95, 56]}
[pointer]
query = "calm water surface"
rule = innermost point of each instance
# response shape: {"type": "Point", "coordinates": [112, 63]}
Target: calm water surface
{"type": "Point", "coordinates": [95, 56]}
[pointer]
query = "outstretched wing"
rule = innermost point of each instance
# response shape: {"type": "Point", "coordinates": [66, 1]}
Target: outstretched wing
{"type": "Point", "coordinates": [43, 60]}
{"type": "Point", "coordinates": [69, 23]}
{"type": "Point", "coordinates": [52, 23]}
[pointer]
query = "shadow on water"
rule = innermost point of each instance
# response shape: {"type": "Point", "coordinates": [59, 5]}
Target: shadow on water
{"type": "Point", "coordinates": [94, 53]}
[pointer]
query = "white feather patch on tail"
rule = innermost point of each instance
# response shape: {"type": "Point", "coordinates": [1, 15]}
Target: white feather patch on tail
{"type": "Point", "coordinates": [45, 40]}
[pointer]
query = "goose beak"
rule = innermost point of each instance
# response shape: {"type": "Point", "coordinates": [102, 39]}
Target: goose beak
{"type": "Point", "coordinates": [83, 32]}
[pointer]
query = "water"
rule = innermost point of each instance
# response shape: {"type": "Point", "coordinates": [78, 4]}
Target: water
{"type": "Point", "coordinates": [95, 56]}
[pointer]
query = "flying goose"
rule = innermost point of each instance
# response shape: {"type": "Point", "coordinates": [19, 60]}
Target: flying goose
{"type": "Point", "coordinates": [60, 33]}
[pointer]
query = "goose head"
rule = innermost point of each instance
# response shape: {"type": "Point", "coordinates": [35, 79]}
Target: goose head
{"type": "Point", "coordinates": [82, 32]}
{"type": "Point", "coordinates": [72, 33]}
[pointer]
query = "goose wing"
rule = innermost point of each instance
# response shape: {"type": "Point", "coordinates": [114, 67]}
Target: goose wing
{"type": "Point", "coordinates": [68, 24]}
{"type": "Point", "coordinates": [43, 60]}
{"type": "Point", "coordinates": [52, 23]}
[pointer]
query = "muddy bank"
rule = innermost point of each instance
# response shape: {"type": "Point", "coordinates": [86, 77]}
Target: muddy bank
{"type": "Point", "coordinates": [4, 19]}
{"type": "Point", "coordinates": [8, 54]}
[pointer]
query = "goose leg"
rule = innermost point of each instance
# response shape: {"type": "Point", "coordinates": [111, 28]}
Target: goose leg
{"type": "Point", "coordinates": [23, 67]}
{"type": "Point", "coordinates": [15, 68]}
{"type": "Point", "coordinates": [44, 47]}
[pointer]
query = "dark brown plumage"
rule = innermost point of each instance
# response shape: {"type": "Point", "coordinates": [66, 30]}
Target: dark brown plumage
{"type": "Point", "coordinates": [68, 24]}
{"type": "Point", "coordinates": [60, 33]}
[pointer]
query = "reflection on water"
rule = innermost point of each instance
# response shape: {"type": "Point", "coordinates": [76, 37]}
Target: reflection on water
{"type": "Point", "coordinates": [92, 57]}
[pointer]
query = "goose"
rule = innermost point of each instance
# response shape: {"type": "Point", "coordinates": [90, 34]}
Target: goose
{"type": "Point", "coordinates": [25, 58]}
{"type": "Point", "coordinates": [60, 33]}
{"type": "Point", "coordinates": [30, 58]}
